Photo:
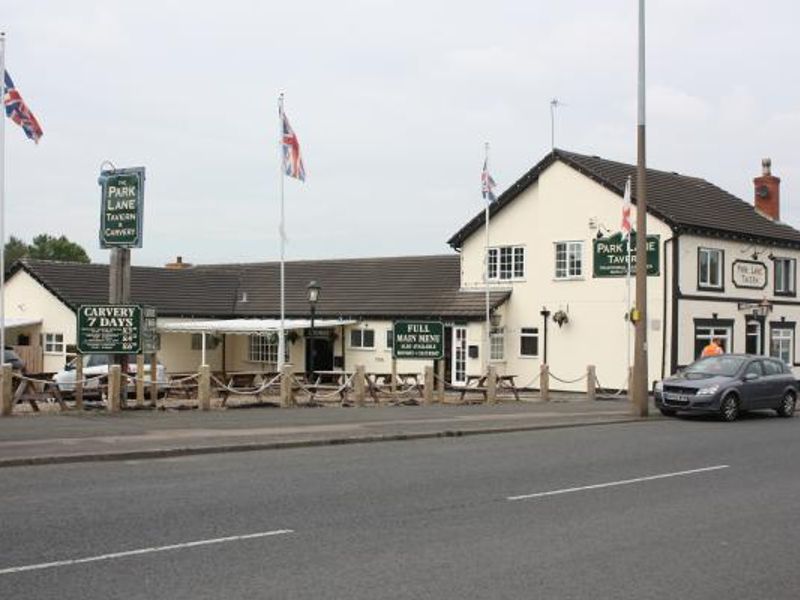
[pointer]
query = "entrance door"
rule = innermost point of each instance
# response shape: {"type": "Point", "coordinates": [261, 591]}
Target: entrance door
{"type": "Point", "coordinates": [319, 354]}
{"type": "Point", "coordinates": [459, 358]}
{"type": "Point", "coordinates": [752, 344]}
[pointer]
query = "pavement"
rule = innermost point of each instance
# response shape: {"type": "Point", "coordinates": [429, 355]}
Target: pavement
{"type": "Point", "coordinates": [33, 439]}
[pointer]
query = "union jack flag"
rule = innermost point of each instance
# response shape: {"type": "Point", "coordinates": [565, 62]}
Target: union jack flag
{"type": "Point", "coordinates": [626, 209]}
{"type": "Point", "coordinates": [487, 183]}
{"type": "Point", "coordinates": [18, 111]}
{"type": "Point", "coordinates": [292, 161]}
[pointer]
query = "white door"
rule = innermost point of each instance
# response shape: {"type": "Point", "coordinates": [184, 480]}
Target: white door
{"type": "Point", "coordinates": [459, 366]}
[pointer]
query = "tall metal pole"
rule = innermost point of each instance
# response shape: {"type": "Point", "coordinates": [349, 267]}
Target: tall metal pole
{"type": "Point", "coordinates": [3, 196]}
{"type": "Point", "coordinates": [486, 201]}
{"type": "Point", "coordinates": [282, 235]}
{"type": "Point", "coordinates": [640, 377]}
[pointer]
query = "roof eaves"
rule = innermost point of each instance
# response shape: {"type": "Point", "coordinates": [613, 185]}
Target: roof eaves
{"type": "Point", "coordinates": [22, 264]}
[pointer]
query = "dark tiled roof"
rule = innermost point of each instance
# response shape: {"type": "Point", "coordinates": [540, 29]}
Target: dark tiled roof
{"type": "Point", "coordinates": [421, 286]}
{"type": "Point", "coordinates": [685, 203]}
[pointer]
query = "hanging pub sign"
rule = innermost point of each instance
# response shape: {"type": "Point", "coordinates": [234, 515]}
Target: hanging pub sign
{"type": "Point", "coordinates": [121, 207]}
{"type": "Point", "coordinates": [110, 328]}
{"type": "Point", "coordinates": [749, 274]}
{"type": "Point", "coordinates": [611, 256]}
{"type": "Point", "coordinates": [418, 339]}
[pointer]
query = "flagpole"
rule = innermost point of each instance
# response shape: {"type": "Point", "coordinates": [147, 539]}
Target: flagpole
{"type": "Point", "coordinates": [487, 201]}
{"type": "Point", "coordinates": [3, 196]}
{"type": "Point", "coordinates": [281, 234]}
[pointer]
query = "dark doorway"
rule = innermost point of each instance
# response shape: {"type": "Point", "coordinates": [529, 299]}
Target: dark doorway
{"type": "Point", "coordinates": [448, 353]}
{"type": "Point", "coordinates": [322, 349]}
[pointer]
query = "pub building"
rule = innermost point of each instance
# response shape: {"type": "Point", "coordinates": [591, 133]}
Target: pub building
{"type": "Point", "coordinates": [718, 266]}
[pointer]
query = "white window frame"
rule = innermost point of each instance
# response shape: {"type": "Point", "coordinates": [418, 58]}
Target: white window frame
{"type": "Point", "coordinates": [565, 266]}
{"type": "Point", "coordinates": [506, 263]}
{"type": "Point", "coordinates": [706, 333]}
{"type": "Point", "coordinates": [497, 344]}
{"type": "Point", "coordinates": [263, 348]}
{"type": "Point", "coordinates": [784, 349]}
{"type": "Point", "coordinates": [529, 333]}
{"type": "Point", "coordinates": [783, 278]}
{"type": "Point", "coordinates": [705, 254]}
{"type": "Point", "coordinates": [53, 343]}
{"type": "Point", "coordinates": [360, 334]}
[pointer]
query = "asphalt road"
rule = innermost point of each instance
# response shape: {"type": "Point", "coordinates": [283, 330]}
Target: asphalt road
{"type": "Point", "coordinates": [664, 509]}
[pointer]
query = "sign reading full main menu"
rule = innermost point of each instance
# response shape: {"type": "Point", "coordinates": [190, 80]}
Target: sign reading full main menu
{"type": "Point", "coordinates": [611, 256]}
{"type": "Point", "coordinates": [122, 203]}
{"type": "Point", "coordinates": [418, 339]}
{"type": "Point", "coordinates": [109, 329]}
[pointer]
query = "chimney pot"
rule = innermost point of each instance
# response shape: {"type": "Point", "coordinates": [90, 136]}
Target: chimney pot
{"type": "Point", "coordinates": [766, 164]}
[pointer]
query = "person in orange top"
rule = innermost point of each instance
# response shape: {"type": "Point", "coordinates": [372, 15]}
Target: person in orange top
{"type": "Point", "coordinates": [712, 348]}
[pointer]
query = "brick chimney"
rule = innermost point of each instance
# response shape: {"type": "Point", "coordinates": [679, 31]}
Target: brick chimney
{"type": "Point", "coordinates": [178, 264]}
{"type": "Point", "coordinates": [768, 192]}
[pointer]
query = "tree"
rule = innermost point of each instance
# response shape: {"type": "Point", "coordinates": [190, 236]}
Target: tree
{"type": "Point", "coordinates": [46, 247]}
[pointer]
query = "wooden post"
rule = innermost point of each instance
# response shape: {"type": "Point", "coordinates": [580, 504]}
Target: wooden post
{"type": "Point", "coordinates": [491, 385]}
{"type": "Point", "coordinates": [204, 388]}
{"type": "Point", "coordinates": [394, 378]}
{"type": "Point", "coordinates": [79, 382]}
{"type": "Point", "coordinates": [139, 380]}
{"type": "Point", "coordinates": [360, 384]}
{"type": "Point", "coordinates": [153, 379]}
{"type": "Point", "coordinates": [440, 383]}
{"type": "Point", "coordinates": [7, 404]}
{"type": "Point", "coordinates": [591, 383]}
{"type": "Point", "coordinates": [114, 376]}
{"type": "Point", "coordinates": [428, 386]}
{"type": "Point", "coordinates": [544, 382]}
{"type": "Point", "coordinates": [287, 397]}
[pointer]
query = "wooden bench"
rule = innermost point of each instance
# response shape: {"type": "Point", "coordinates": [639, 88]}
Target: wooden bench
{"type": "Point", "coordinates": [34, 392]}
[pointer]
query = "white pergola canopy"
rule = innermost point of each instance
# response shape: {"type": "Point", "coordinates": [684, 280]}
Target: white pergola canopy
{"type": "Point", "coordinates": [246, 326]}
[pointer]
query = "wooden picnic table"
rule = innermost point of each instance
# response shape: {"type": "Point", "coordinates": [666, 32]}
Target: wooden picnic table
{"type": "Point", "coordinates": [42, 390]}
{"type": "Point", "coordinates": [382, 381]}
{"type": "Point", "coordinates": [477, 383]}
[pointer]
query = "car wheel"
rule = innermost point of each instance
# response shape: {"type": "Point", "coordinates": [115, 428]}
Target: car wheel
{"type": "Point", "coordinates": [668, 412]}
{"type": "Point", "coordinates": [786, 409]}
{"type": "Point", "coordinates": [729, 408]}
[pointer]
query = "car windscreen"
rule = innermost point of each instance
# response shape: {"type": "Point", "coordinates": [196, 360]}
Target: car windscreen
{"type": "Point", "coordinates": [726, 366]}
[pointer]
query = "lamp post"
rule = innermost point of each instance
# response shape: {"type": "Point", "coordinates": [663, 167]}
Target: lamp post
{"type": "Point", "coordinates": [312, 289]}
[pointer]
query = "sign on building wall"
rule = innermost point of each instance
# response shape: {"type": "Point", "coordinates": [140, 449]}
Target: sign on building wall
{"type": "Point", "coordinates": [418, 339]}
{"type": "Point", "coordinates": [611, 256]}
{"type": "Point", "coordinates": [121, 208]}
{"type": "Point", "coordinates": [110, 329]}
{"type": "Point", "coordinates": [749, 274]}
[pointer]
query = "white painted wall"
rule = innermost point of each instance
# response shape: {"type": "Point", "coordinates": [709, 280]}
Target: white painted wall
{"type": "Point", "coordinates": [558, 208]}
{"type": "Point", "coordinates": [26, 297]}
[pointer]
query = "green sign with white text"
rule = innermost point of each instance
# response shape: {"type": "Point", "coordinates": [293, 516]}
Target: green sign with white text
{"type": "Point", "coordinates": [418, 339]}
{"type": "Point", "coordinates": [110, 328]}
{"type": "Point", "coordinates": [121, 210]}
{"type": "Point", "coordinates": [611, 256]}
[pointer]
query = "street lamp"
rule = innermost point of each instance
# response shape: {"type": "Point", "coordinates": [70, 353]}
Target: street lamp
{"type": "Point", "coordinates": [312, 289]}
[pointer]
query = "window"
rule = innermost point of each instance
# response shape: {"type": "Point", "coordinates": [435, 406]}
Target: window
{"type": "Point", "coordinates": [54, 342]}
{"type": "Point", "coordinates": [212, 341]}
{"type": "Point", "coordinates": [703, 334]}
{"type": "Point", "coordinates": [774, 367]}
{"type": "Point", "coordinates": [709, 268]}
{"type": "Point", "coordinates": [506, 262]}
{"type": "Point", "coordinates": [785, 269]}
{"type": "Point", "coordinates": [389, 339]}
{"type": "Point", "coordinates": [781, 342]}
{"type": "Point", "coordinates": [497, 342]}
{"type": "Point", "coordinates": [264, 348]}
{"type": "Point", "coordinates": [754, 368]}
{"type": "Point", "coordinates": [362, 338]}
{"type": "Point", "coordinates": [569, 260]}
{"type": "Point", "coordinates": [529, 341]}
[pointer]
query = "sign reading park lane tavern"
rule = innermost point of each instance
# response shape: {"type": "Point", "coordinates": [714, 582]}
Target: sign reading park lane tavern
{"type": "Point", "coordinates": [611, 256]}
{"type": "Point", "coordinates": [122, 202]}
{"type": "Point", "coordinates": [109, 329]}
{"type": "Point", "coordinates": [418, 339]}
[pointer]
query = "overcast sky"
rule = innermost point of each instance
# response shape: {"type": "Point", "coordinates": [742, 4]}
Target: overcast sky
{"type": "Point", "coordinates": [392, 102]}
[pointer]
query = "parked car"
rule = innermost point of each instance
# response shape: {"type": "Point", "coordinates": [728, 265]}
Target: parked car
{"type": "Point", "coordinates": [729, 384]}
{"type": "Point", "coordinates": [12, 358]}
{"type": "Point", "coordinates": [97, 364]}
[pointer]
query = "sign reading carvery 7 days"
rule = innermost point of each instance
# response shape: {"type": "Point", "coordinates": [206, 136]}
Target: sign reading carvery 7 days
{"type": "Point", "coordinates": [122, 203]}
{"type": "Point", "coordinates": [109, 328]}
